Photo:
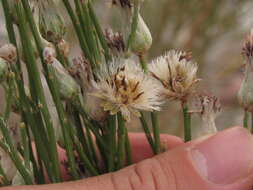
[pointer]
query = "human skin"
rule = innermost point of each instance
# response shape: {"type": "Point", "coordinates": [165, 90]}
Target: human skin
{"type": "Point", "coordinates": [220, 162]}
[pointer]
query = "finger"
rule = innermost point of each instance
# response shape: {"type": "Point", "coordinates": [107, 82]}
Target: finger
{"type": "Point", "coordinates": [220, 162]}
{"type": "Point", "coordinates": [142, 150]}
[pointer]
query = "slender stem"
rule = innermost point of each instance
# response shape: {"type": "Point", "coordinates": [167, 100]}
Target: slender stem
{"type": "Point", "coordinates": [245, 119]}
{"type": "Point", "coordinates": [25, 144]}
{"type": "Point", "coordinates": [9, 147]}
{"type": "Point", "coordinates": [36, 88]}
{"type": "Point", "coordinates": [128, 150]}
{"type": "Point", "coordinates": [147, 131]}
{"type": "Point", "coordinates": [10, 96]}
{"type": "Point", "coordinates": [66, 128]}
{"type": "Point", "coordinates": [112, 141]}
{"type": "Point", "coordinates": [187, 123]}
{"type": "Point", "coordinates": [80, 132]}
{"type": "Point", "coordinates": [121, 141]}
{"type": "Point", "coordinates": [143, 63]}
{"type": "Point", "coordinates": [93, 171]}
{"type": "Point", "coordinates": [24, 103]}
{"type": "Point", "coordinates": [99, 32]}
{"type": "Point", "coordinates": [9, 25]}
{"type": "Point", "coordinates": [4, 179]}
{"type": "Point", "coordinates": [92, 146]}
{"type": "Point", "coordinates": [156, 133]}
{"type": "Point", "coordinates": [156, 143]}
{"type": "Point", "coordinates": [79, 32]}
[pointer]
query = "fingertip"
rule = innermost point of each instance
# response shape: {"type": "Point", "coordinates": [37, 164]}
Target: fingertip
{"type": "Point", "coordinates": [142, 149]}
{"type": "Point", "coordinates": [171, 141]}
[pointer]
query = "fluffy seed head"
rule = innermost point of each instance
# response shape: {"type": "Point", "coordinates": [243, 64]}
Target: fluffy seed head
{"type": "Point", "coordinates": [115, 41]}
{"type": "Point", "coordinates": [126, 89]}
{"type": "Point", "coordinates": [177, 73]}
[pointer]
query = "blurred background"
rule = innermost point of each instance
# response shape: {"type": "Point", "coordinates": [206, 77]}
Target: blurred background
{"type": "Point", "coordinates": [213, 30]}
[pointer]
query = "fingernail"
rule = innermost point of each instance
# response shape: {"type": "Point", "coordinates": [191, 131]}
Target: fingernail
{"type": "Point", "coordinates": [226, 157]}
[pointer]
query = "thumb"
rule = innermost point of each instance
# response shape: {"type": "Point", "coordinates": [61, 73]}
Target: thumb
{"type": "Point", "coordinates": [220, 162]}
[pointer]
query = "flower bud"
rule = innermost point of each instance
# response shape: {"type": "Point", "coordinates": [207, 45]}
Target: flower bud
{"type": "Point", "coordinates": [3, 69]}
{"type": "Point", "coordinates": [69, 89]}
{"type": "Point", "coordinates": [9, 53]}
{"type": "Point", "coordinates": [51, 24]}
{"type": "Point", "coordinates": [142, 40]}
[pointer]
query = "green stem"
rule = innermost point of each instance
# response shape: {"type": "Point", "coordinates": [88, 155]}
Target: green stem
{"type": "Point", "coordinates": [79, 32]}
{"type": "Point", "coordinates": [121, 141]}
{"type": "Point", "coordinates": [245, 119]}
{"type": "Point", "coordinates": [66, 127]}
{"type": "Point", "coordinates": [99, 33]}
{"type": "Point", "coordinates": [156, 142]}
{"type": "Point", "coordinates": [12, 151]}
{"type": "Point", "coordinates": [25, 144]}
{"type": "Point", "coordinates": [36, 88]}
{"type": "Point", "coordinates": [128, 149]}
{"type": "Point", "coordinates": [112, 142]}
{"type": "Point", "coordinates": [24, 103]}
{"type": "Point", "coordinates": [143, 63]}
{"type": "Point", "coordinates": [10, 96]}
{"type": "Point", "coordinates": [147, 131]}
{"type": "Point", "coordinates": [156, 133]}
{"type": "Point", "coordinates": [5, 181]}
{"type": "Point", "coordinates": [187, 123]}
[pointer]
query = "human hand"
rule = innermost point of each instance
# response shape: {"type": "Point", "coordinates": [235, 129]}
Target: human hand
{"type": "Point", "coordinates": [220, 162]}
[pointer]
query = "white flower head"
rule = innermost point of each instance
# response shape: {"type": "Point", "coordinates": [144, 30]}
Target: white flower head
{"type": "Point", "coordinates": [127, 89]}
{"type": "Point", "coordinates": [177, 73]}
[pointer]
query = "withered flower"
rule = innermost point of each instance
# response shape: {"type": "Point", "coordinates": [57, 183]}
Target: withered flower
{"type": "Point", "coordinates": [245, 94]}
{"type": "Point", "coordinates": [209, 109]}
{"type": "Point", "coordinates": [115, 41]}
